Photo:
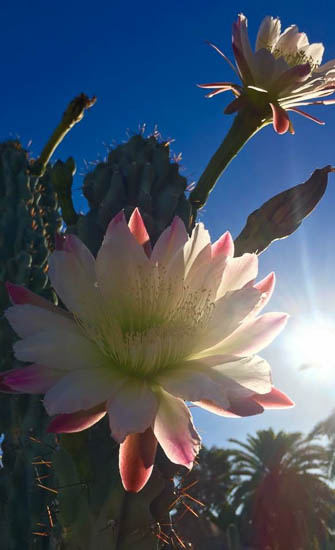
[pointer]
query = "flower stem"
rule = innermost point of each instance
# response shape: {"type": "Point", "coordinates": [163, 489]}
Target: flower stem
{"type": "Point", "coordinates": [73, 114]}
{"type": "Point", "coordinates": [245, 125]}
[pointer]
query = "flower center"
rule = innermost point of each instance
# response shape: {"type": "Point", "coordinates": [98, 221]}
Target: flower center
{"type": "Point", "coordinates": [294, 58]}
{"type": "Point", "coordinates": [152, 328]}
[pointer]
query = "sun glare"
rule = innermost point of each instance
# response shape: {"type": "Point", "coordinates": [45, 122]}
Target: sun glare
{"type": "Point", "coordinates": [313, 343]}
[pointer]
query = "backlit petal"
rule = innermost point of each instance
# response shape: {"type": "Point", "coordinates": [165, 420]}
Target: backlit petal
{"type": "Point", "coordinates": [65, 348]}
{"type": "Point", "coordinates": [76, 422]}
{"type": "Point", "coordinates": [224, 245]}
{"type": "Point", "coordinates": [136, 460]}
{"type": "Point", "coordinates": [175, 431]}
{"type": "Point", "coordinates": [192, 385]}
{"type": "Point", "coordinates": [268, 33]}
{"type": "Point", "coordinates": [281, 121]}
{"type": "Point", "coordinates": [28, 319]}
{"type": "Point", "coordinates": [20, 295]}
{"type": "Point", "coordinates": [81, 389]}
{"type": "Point", "coordinates": [275, 399]}
{"type": "Point", "coordinates": [33, 379]}
{"type": "Point", "coordinates": [74, 279]}
{"type": "Point", "coordinates": [253, 336]}
{"type": "Point", "coordinates": [237, 273]}
{"type": "Point", "coordinates": [131, 409]}
{"type": "Point", "coordinates": [138, 229]}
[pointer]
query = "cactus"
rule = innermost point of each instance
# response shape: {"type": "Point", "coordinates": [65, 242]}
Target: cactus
{"type": "Point", "coordinates": [137, 173]}
{"type": "Point", "coordinates": [93, 509]}
{"type": "Point", "coordinates": [233, 537]}
{"type": "Point", "coordinates": [28, 221]}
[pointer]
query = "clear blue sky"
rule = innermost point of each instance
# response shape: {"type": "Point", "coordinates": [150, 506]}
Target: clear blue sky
{"type": "Point", "coordinates": [142, 60]}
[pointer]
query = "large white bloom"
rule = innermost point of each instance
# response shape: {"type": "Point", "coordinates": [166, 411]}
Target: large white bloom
{"type": "Point", "coordinates": [145, 331]}
{"type": "Point", "coordinates": [284, 72]}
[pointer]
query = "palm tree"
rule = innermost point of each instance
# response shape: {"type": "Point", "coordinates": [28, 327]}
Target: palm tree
{"type": "Point", "coordinates": [327, 428]}
{"type": "Point", "coordinates": [284, 500]}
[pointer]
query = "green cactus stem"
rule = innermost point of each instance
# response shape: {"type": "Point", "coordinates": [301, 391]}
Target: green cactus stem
{"type": "Point", "coordinates": [29, 219]}
{"type": "Point", "coordinates": [246, 124]}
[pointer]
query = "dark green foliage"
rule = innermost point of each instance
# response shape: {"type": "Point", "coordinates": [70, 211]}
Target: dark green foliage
{"type": "Point", "coordinates": [28, 221]}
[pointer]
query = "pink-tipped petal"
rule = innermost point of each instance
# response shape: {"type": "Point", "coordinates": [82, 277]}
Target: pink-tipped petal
{"type": "Point", "coordinates": [136, 460]}
{"type": "Point", "coordinates": [224, 245]}
{"type": "Point", "coordinates": [20, 295]}
{"type": "Point", "coordinates": [216, 92]}
{"type": "Point", "coordinates": [175, 431]}
{"type": "Point", "coordinates": [237, 273]}
{"type": "Point", "coordinates": [3, 386]}
{"type": "Point", "coordinates": [237, 409]}
{"type": "Point", "coordinates": [121, 263]}
{"type": "Point", "coordinates": [275, 399]}
{"type": "Point", "coordinates": [307, 115]}
{"type": "Point", "coordinates": [138, 229]}
{"type": "Point", "coordinates": [266, 287]}
{"type": "Point", "coordinates": [253, 336]}
{"type": "Point", "coordinates": [131, 409]}
{"type": "Point", "coordinates": [32, 379]}
{"type": "Point", "coordinates": [267, 284]}
{"type": "Point", "coordinates": [76, 422]}
{"type": "Point", "coordinates": [119, 218]}
{"type": "Point", "coordinates": [217, 85]}
{"type": "Point", "coordinates": [170, 242]}
{"type": "Point", "coordinates": [281, 121]}
{"type": "Point", "coordinates": [81, 389]}
{"type": "Point", "coordinates": [73, 245]}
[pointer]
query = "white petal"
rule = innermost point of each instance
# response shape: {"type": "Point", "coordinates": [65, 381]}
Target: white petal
{"type": "Point", "coordinates": [251, 336]}
{"type": "Point", "coordinates": [27, 319]}
{"type": "Point", "coordinates": [291, 40]}
{"type": "Point", "coordinates": [74, 282]}
{"type": "Point", "coordinates": [175, 432]}
{"type": "Point", "coordinates": [121, 261]}
{"type": "Point", "coordinates": [263, 68]}
{"type": "Point", "coordinates": [314, 53]}
{"type": "Point", "coordinates": [229, 311]}
{"type": "Point", "coordinates": [268, 33]}
{"type": "Point", "coordinates": [198, 241]}
{"type": "Point", "coordinates": [198, 272]}
{"type": "Point", "coordinates": [237, 273]}
{"type": "Point", "coordinates": [170, 241]}
{"type": "Point", "coordinates": [81, 390]}
{"type": "Point", "coordinates": [33, 379]}
{"type": "Point", "coordinates": [240, 377]}
{"type": "Point", "coordinates": [131, 409]}
{"type": "Point", "coordinates": [193, 385]}
{"type": "Point", "coordinates": [245, 42]}
{"type": "Point", "coordinates": [65, 348]}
